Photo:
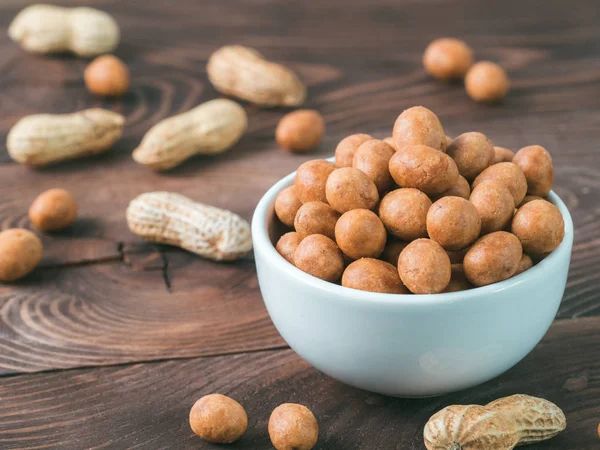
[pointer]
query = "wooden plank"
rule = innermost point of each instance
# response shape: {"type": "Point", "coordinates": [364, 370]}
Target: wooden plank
{"type": "Point", "coordinates": [132, 311]}
{"type": "Point", "coordinates": [147, 405]}
{"type": "Point", "coordinates": [63, 317]}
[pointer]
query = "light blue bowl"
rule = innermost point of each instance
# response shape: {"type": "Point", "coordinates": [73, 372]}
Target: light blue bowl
{"type": "Point", "coordinates": [408, 345]}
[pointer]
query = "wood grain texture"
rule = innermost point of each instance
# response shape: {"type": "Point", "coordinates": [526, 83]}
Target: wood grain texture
{"type": "Point", "coordinates": [147, 405]}
{"type": "Point", "coordinates": [359, 80]}
{"type": "Point", "coordinates": [132, 311]}
{"type": "Point", "coordinates": [361, 71]}
{"type": "Point", "coordinates": [102, 297]}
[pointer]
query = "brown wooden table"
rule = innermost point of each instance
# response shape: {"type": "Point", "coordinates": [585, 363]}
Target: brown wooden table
{"type": "Point", "coordinates": [112, 340]}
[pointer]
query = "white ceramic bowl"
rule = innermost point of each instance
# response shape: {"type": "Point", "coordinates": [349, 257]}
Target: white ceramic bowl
{"type": "Point", "coordinates": [408, 345]}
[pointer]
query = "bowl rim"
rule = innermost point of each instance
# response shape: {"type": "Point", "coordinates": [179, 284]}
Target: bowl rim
{"type": "Point", "coordinates": [263, 244]}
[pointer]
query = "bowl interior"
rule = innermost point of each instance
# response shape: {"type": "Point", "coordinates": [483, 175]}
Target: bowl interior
{"type": "Point", "coordinates": [266, 230]}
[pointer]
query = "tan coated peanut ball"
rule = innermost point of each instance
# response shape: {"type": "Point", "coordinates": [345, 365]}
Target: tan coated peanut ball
{"type": "Point", "coordinates": [495, 205]}
{"type": "Point", "coordinates": [349, 188]}
{"type": "Point", "coordinates": [526, 263]}
{"type": "Point", "coordinates": [107, 75]}
{"type": "Point", "coordinates": [310, 180]}
{"type": "Point", "coordinates": [424, 267]}
{"type": "Point", "coordinates": [287, 205]}
{"type": "Point", "coordinates": [487, 82]}
{"type": "Point", "coordinates": [536, 164]}
{"type": "Point", "coordinates": [373, 158]}
{"type": "Point", "coordinates": [458, 280]}
{"type": "Point", "coordinates": [345, 150]}
{"type": "Point", "coordinates": [373, 275]}
{"type": "Point", "coordinates": [472, 152]}
{"type": "Point", "coordinates": [502, 154]}
{"type": "Point", "coordinates": [508, 174]}
{"type": "Point", "coordinates": [404, 213]}
{"type": "Point", "coordinates": [540, 227]}
{"type": "Point", "coordinates": [492, 258]}
{"type": "Point", "coordinates": [391, 142]}
{"type": "Point", "coordinates": [457, 256]}
{"type": "Point", "coordinates": [218, 419]}
{"type": "Point", "coordinates": [360, 234]}
{"type": "Point", "coordinates": [316, 218]}
{"type": "Point", "coordinates": [460, 189]}
{"type": "Point", "coordinates": [529, 198]}
{"type": "Point", "coordinates": [424, 168]}
{"type": "Point", "coordinates": [320, 257]}
{"type": "Point", "coordinates": [419, 126]}
{"type": "Point", "coordinates": [453, 222]}
{"type": "Point", "coordinates": [287, 245]}
{"type": "Point", "coordinates": [20, 252]}
{"type": "Point", "coordinates": [293, 427]}
{"type": "Point", "coordinates": [392, 250]}
{"type": "Point", "coordinates": [447, 58]}
{"type": "Point", "coordinates": [300, 131]}
{"type": "Point", "coordinates": [53, 210]}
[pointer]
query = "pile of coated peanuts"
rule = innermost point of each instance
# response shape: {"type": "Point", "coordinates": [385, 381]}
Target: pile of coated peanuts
{"type": "Point", "coordinates": [419, 212]}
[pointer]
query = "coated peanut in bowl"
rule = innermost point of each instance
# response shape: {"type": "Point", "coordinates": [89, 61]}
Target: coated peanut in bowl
{"type": "Point", "coordinates": [365, 328]}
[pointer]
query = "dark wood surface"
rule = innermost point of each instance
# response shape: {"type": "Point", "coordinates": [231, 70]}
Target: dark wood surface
{"type": "Point", "coordinates": [104, 298]}
{"type": "Point", "coordinates": [147, 405]}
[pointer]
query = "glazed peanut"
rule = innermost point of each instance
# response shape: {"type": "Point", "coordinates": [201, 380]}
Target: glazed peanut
{"type": "Point", "coordinates": [493, 258]}
{"type": "Point", "coordinates": [460, 189]}
{"type": "Point", "coordinates": [502, 154]}
{"type": "Point", "coordinates": [107, 75]}
{"type": "Point", "coordinates": [404, 213]}
{"type": "Point", "coordinates": [320, 257]}
{"type": "Point", "coordinates": [311, 178]}
{"type": "Point", "coordinates": [287, 205]}
{"type": "Point", "coordinates": [218, 419]}
{"type": "Point", "coordinates": [453, 222]}
{"type": "Point", "coordinates": [345, 150]}
{"type": "Point", "coordinates": [373, 275]}
{"type": "Point", "coordinates": [419, 126]}
{"type": "Point", "coordinates": [447, 58]}
{"type": "Point", "coordinates": [208, 129]}
{"type": "Point", "coordinates": [53, 29]}
{"type": "Point", "coordinates": [536, 164]}
{"type": "Point", "coordinates": [529, 198]}
{"type": "Point", "coordinates": [424, 267]}
{"type": "Point", "coordinates": [540, 227]}
{"type": "Point", "coordinates": [391, 142]}
{"type": "Point", "coordinates": [500, 425]}
{"type": "Point", "coordinates": [508, 174]}
{"type": "Point", "coordinates": [373, 158]}
{"type": "Point", "coordinates": [487, 82]}
{"type": "Point", "coordinates": [525, 264]}
{"type": "Point", "coordinates": [20, 252]}
{"type": "Point", "coordinates": [458, 280]}
{"type": "Point", "coordinates": [472, 152]}
{"type": "Point", "coordinates": [495, 205]}
{"type": "Point", "coordinates": [316, 218]}
{"type": "Point", "coordinates": [53, 210]}
{"type": "Point", "coordinates": [348, 188]}
{"type": "Point", "coordinates": [43, 139]}
{"type": "Point", "coordinates": [287, 245]}
{"type": "Point", "coordinates": [244, 73]}
{"type": "Point", "coordinates": [360, 234]}
{"type": "Point", "coordinates": [300, 131]}
{"type": "Point", "coordinates": [173, 219]}
{"type": "Point", "coordinates": [293, 427]}
{"type": "Point", "coordinates": [423, 168]}
{"type": "Point", "coordinates": [392, 250]}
